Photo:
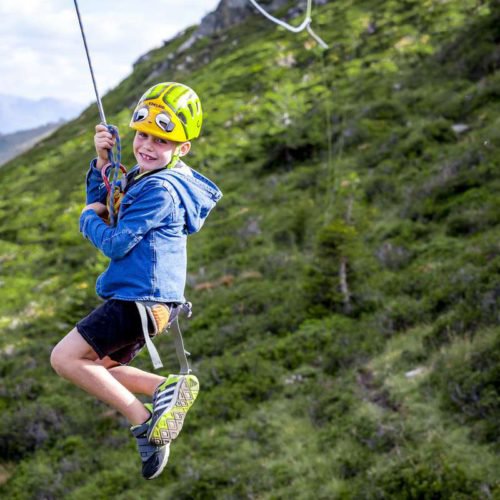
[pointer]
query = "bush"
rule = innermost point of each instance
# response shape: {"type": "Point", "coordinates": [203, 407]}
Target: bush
{"type": "Point", "coordinates": [468, 380]}
{"type": "Point", "coordinates": [430, 479]}
{"type": "Point", "coordinates": [26, 429]}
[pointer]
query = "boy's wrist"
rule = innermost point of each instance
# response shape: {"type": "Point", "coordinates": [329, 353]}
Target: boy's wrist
{"type": "Point", "coordinates": [100, 162]}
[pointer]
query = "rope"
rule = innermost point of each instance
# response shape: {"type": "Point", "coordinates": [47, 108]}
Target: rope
{"type": "Point", "coordinates": [322, 44]}
{"type": "Point", "coordinates": [115, 161]}
{"type": "Point", "coordinates": [306, 24]}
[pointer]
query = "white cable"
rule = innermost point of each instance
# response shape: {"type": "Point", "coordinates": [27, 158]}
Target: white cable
{"type": "Point", "coordinates": [306, 24]}
{"type": "Point", "coordinates": [316, 37]}
{"type": "Point", "coordinates": [289, 27]}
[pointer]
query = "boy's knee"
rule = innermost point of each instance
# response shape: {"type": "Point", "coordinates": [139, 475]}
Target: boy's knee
{"type": "Point", "coordinates": [58, 360]}
{"type": "Point", "coordinates": [66, 354]}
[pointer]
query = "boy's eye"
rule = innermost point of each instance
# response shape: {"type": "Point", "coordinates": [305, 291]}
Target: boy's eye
{"type": "Point", "coordinates": [161, 141]}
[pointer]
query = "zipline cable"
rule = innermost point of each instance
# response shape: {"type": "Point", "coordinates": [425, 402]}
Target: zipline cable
{"type": "Point", "coordinates": [306, 24]}
{"type": "Point", "coordinates": [99, 103]}
{"type": "Point", "coordinates": [115, 160]}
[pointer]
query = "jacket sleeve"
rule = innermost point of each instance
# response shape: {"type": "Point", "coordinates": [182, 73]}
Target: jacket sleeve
{"type": "Point", "coordinates": [96, 190]}
{"type": "Point", "coordinates": [153, 207]}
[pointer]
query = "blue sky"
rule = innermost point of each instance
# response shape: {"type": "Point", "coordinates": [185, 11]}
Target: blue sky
{"type": "Point", "coordinates": [42, 53]}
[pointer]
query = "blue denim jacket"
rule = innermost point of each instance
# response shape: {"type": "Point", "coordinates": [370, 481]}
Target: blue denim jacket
{"type": "Point", "coordinates": [147, 247]}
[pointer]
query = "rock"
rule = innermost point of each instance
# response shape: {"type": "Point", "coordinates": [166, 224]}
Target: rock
{"type": "Point", "coordinates": [460, 128]}
{"type": "Point", "coordinates": [371, 28]}
{"type": "Point", "coordinates": [415, 373]}
{"type": "Point", "coordinates": [393, 256]}
{"type": "Point", "coordinates": [227, 14]}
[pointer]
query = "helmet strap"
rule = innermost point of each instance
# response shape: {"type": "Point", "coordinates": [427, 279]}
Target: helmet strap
{"type": "Point", "coordinates": [175, 157]}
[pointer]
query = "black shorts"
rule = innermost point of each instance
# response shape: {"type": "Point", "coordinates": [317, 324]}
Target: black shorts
{"type": "Point", "coordinates": [114, 329]}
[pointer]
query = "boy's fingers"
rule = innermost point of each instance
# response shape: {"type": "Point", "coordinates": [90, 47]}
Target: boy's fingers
{"type": "Point", "coordinates": [109, 142]}
{"type": "Point", "coordinates": [105, 134]}
{"type": "Point", "coordinates": [106, 140]}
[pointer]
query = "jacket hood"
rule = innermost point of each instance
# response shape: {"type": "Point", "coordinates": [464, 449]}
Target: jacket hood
{"type": "Point", "coordinates": [197, 193]}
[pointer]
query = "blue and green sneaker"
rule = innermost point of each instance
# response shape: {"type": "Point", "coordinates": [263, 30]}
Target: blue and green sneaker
{"type": "Point", "coordinates": [154, 458]}
{"type": "Point", "coordinates": [171, 401]}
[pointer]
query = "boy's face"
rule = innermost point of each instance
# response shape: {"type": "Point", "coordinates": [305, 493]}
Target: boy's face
{"type": "Point", "coordinates": [153, 152]}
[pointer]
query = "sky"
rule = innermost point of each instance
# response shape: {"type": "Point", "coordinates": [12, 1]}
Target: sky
{"type": "Point", "coordinates": [42, 52]}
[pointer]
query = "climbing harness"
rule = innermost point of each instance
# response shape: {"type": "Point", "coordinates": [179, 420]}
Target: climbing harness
{"type": "Point", "coordinates": [306, 24]}
{"type": "Point", "coordinates": [163, 317]}
{"type": "Point", "coordinates": [114, 159]}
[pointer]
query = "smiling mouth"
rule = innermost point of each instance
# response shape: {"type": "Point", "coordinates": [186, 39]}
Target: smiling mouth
{"type": "Point", "coordinates": [147, 157]}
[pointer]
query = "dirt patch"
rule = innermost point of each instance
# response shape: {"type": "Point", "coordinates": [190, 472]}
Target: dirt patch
{"type": "Point", "coordinates": [374, 393]}
{"type": "Point", "coordinates": [4, 474]}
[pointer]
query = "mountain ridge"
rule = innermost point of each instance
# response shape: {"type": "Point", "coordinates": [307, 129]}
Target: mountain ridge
{"type": "Point", "coordinates": [20, 113]}
{"type": "Point", "coordinates": [13, 144]}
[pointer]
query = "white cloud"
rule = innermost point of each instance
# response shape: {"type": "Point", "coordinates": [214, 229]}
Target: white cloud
{"type": "Point", "coordinates": [42, 53]}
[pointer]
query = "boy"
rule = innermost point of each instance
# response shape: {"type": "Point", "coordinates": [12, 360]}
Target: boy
{"type": "Point", "coordinates": [164, 200]}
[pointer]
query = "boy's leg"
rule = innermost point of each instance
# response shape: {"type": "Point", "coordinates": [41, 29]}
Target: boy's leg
{"type": "Point", "coordinates": [74, 359]}
{"type": "Point", "coordinates": [135, 380]}
{"type": "Point", "coordinates": [172, 397]}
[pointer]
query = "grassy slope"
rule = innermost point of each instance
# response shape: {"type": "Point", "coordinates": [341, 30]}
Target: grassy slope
{"type": "Point", "coordinates": [390, 395]}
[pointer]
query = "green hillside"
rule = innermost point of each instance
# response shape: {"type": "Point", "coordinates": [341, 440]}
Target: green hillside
{"type": "Point", "coordinates": [346, 288]}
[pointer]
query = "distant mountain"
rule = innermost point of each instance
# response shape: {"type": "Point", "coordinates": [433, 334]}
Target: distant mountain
{"type": "Point", "coordinates": [14, 144]}
{"type": "Point", "coordinates": [18, 113]}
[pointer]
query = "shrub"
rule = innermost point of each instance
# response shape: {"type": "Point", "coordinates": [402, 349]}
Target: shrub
{"type": "Point", "coordinates": [432, 478]}
{"type": "Point", "coordinates": [468, 380]}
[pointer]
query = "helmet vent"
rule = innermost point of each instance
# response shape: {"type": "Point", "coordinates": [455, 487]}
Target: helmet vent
{"type": "Point", "coordinates": [182, 117]}
{"type": "Point", "coordinates": [190, 106]}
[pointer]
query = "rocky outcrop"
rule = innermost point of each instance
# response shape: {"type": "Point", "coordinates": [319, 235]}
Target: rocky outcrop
{"type": "Point", "coordinates": [227, 14]}
{"type": "Point", "coordinates": [232, 12]}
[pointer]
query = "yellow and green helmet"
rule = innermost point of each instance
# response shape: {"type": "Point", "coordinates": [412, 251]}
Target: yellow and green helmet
{"type": "Point", "coordinates": [169, 110]}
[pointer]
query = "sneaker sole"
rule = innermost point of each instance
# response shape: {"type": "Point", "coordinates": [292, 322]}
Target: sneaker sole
{"type": "Point", "coordinates": [169, 424]}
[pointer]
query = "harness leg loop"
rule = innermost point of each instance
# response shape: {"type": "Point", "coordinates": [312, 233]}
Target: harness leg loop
{"type": "Point", "coordinates": [171, 320]}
